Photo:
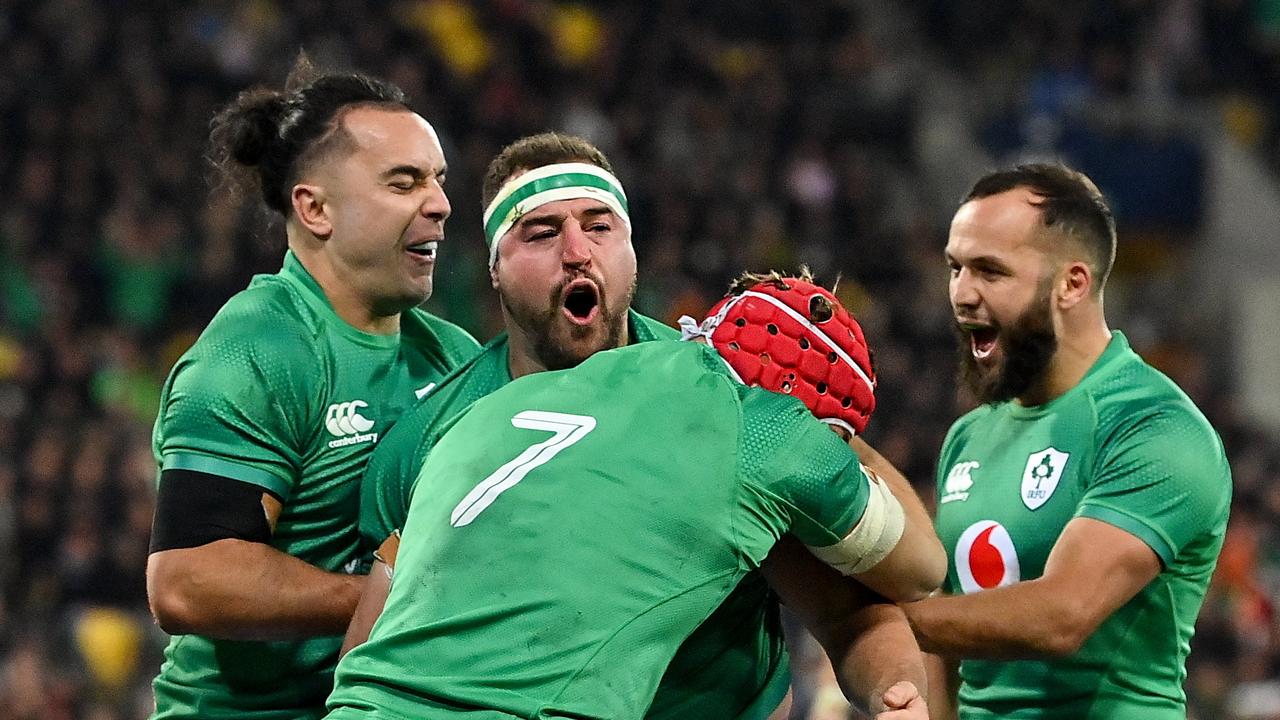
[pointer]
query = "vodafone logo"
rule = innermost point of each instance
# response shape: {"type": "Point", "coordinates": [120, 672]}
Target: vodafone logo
{"type": "Point", "coordinates": [986, 558]}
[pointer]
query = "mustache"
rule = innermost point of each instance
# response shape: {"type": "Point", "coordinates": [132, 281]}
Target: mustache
{"type": "Point", "coordinates": [596, 278]}
{"type": "Point", "coordinates": [1029, 343]}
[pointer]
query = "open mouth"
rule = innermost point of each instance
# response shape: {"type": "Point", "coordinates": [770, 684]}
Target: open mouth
{"type": "Point", "coordinates": [983, 339]}
{"type": "Point", "coordinates": [425, 250]}
{"type": "Point", "coordinates": [581, 302]}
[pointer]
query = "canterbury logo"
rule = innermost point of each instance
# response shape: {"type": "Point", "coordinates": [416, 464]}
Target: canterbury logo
{"type": "Point", "coordinates": [345, 421]}
{"type": "Point", "coordinates": [345, 418]}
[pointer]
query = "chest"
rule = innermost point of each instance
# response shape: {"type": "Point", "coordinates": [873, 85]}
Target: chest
{"type": "Point", "coordinates": [1006, 489]}
{"type": "Point", "coordinates": [363, 392]}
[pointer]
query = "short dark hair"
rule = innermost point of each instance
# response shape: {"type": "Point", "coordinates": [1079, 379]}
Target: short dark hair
{"type": "Point", "coordinates": [265, 138]}
{"type": "Point", "coordinates": [1070, 203]}
{"type": "Point", "coordinates": [535, 151]}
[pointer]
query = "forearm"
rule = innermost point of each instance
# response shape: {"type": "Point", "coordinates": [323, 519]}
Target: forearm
{"type": "Point", "coordinates": [1029, 619]}
{"type": "Point", "coordinates": [238, 590]}
{"type": "Point", "coordinates": [918, 564]}
{"type": "Point", "coordinates": [882, 652]}
{"type": "Point", "coordinates": [867, 638]}
{"type": "Point", "coordinates": [373, 598]}
{"type": "Point", "coordinates": [944, 682]}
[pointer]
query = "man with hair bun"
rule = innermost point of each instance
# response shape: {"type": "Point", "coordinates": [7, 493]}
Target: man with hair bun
{"type": "Point", "coordinates": [266, 423]}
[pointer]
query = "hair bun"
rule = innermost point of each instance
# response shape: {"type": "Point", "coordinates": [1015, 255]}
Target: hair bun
{"type": "Point", "coordinates": [253, 125]}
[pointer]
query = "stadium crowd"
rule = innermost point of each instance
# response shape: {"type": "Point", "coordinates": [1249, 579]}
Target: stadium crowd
{"type": "Point", "coordinates": [757, 135]}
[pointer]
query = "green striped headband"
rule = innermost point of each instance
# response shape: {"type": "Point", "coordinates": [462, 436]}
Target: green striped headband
{"type": "Point", "coordinates": [550, 183]}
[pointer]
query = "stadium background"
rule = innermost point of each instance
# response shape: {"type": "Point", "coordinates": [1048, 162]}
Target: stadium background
{"type": "Point", "coordinates": [753, 134]}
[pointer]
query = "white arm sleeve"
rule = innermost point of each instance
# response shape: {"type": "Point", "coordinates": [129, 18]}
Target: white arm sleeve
{"type": "Point", "coordinates": [875, 535]}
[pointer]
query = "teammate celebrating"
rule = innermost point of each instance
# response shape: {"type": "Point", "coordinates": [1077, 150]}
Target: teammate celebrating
{"type": "Point", "coordinates": [1085, 501]}
{"type": "Point", "coordinates": [579, 525]}
{"type": "Point", "coordinates": [266, 423]}
{"type": "Point", "coordinates": [565, 272]}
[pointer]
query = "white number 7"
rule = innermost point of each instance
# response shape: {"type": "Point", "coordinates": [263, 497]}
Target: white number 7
{"type": "Point", "coordinates": [568, 430]}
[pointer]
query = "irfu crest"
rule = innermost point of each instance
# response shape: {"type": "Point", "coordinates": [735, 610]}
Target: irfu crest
{"type": "Point", "coordinates": [1040, 479]}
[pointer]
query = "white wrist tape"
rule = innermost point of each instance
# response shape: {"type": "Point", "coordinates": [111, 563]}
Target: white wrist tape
{"type": "Point", "coordinates": [873, 538]}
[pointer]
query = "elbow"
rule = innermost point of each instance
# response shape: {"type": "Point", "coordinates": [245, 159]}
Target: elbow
{"type": "Point", "coordinates": [1065, 630]}
{"type": "Point", "coordinates": [170, 600]}
{"type": "Point", "coordinates": [174, 613]}
{"type": "Point", "coordinates": [931, 572]}
{"type": "Point", "coordinates": [934, 567]}
{"type": "Point", "coordinates": [1061, 644]}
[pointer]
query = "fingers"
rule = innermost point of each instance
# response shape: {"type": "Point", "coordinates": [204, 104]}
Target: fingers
{"type": "Point", "coordinates": [904, 703]}
{"type": "Point", "coordinates": [900, 694]}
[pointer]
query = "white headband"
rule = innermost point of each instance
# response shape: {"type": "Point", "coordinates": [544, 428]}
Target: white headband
{"type": "Point", "coordinates": [550, 183]}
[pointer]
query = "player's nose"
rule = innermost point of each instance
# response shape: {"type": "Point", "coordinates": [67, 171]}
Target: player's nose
{"type": "Point", "coordinates": [576, 249]}
{"type": "Point", "coordinates": [435, 205]}
{"type": "Point", "coordinates": [963, 291]}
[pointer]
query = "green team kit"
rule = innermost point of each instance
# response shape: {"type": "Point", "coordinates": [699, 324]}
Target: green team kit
{"type": "Point", "coordinates": [578, 528]}
{"type": "Point", "coordinates": [279, 392]}
{"type": "Point", "coordinates": [1125, 447]}
{"type": "Point", "coordinates": [733, 666]}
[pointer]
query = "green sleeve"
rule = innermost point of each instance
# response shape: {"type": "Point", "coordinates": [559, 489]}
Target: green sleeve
{"type": "Point", "coordinates": [1163, 478]}
{"type": "Point", "coordinates": [388, 484]}
{"type": "Point", "coordinates": [800, 469]}
{"type": "Point", "coordinates": [239, 402]}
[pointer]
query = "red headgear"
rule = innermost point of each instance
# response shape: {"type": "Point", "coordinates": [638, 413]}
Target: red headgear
{"type": "Point", "coordinates": [791, 336]}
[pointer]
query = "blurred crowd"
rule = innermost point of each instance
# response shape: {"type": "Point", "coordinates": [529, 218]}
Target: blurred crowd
{"type": "Point", "coordinates": [756, 135]}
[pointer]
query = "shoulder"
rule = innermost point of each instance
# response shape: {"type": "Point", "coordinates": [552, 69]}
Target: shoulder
{"type": "Point", "coordinates": [451, 339]}
{"type": "Point", "coordinates": [484, 373]}
{"type": "Point", "coordinates": [645, 328]}
{"type": "Point", "coordinates": [1137, 402]}
{"type": "Point", "coordinates": [661, 364]}
{"type": "Point", "coordinates": [265, 326]}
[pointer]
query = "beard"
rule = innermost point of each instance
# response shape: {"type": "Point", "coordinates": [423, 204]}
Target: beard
{"type": "Point", "coordinates": [1028, 344]}
{"type": "Point", "coordinates": [559, 344]}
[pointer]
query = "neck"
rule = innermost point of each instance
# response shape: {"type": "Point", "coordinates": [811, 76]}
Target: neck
{"type": "Point", "coordinates": [521, 359]}
{"type": "Point", "coordinates": [522, 355]}
{"type": "Point", "coordinates": [347, 303]}
{"type": "Point", "coordinates": [1081, 341]}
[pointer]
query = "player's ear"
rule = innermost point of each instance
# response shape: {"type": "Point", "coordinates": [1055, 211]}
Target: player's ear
{"type": "Point", "coordinates": [1075, 283]}
{"type": "Point", "coordinates": [311, 208]}
{"type": "Point", "coordinates": [493, 275]}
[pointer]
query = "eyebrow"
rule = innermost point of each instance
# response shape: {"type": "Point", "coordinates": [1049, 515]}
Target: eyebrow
{"type": "Point", "coordinates": [598, 211]}
{"type": "Point", "coordinates": [556, 219]}
{"type": "Point", "coordinates": [548, 219]}
{"type": "Point", "coordinates": [990, 262]}
{"type": "Point", "coordinates": [412, 171]}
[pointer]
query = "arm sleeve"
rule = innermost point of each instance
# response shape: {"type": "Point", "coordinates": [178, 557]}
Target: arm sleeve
{"type": "Point", "coordinates": [801, 469]}
{"type": "Point", "coordinates": [237, 405]}
{"type": "Point", "coordinates": [388, 482]}
{"type": "Point", "coordinates": [1162, 478]}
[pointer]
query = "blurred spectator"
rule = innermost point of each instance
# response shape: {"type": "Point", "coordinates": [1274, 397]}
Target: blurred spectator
{"type": "Point", "coordinates": [757, 135]}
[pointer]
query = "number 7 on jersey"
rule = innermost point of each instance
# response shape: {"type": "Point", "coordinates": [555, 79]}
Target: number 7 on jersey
{"type": "Point", "coordinates": [568, 430]}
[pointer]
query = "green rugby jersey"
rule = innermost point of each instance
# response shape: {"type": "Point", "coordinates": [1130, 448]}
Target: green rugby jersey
{"type": "Point", "coordinates": [1125, 447]}
{"type": "Point", "coordinates": [393, 467]}
{"type": "Point", "coordinates": [556, 576]}
{"type": "Point", "coordinates": [282, 393]}
{"type": "Point", "coordinates": [734, 666]}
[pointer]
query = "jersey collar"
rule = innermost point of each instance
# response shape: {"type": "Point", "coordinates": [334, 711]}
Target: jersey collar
{"type": "Point", "coordinates": [297, 275]}
{"type": "Point", "coordinates": [1117, 347]}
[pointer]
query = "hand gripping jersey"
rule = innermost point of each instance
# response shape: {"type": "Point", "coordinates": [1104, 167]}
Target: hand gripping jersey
{"type": "Point", "coordinates": [734, 666]}
{"type": "Point", "coordinates": [281, 393]}
{"type": "Point", "coordinates": [582, 524]}
{"type": "Point", "coordinates": [1125, 447]}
